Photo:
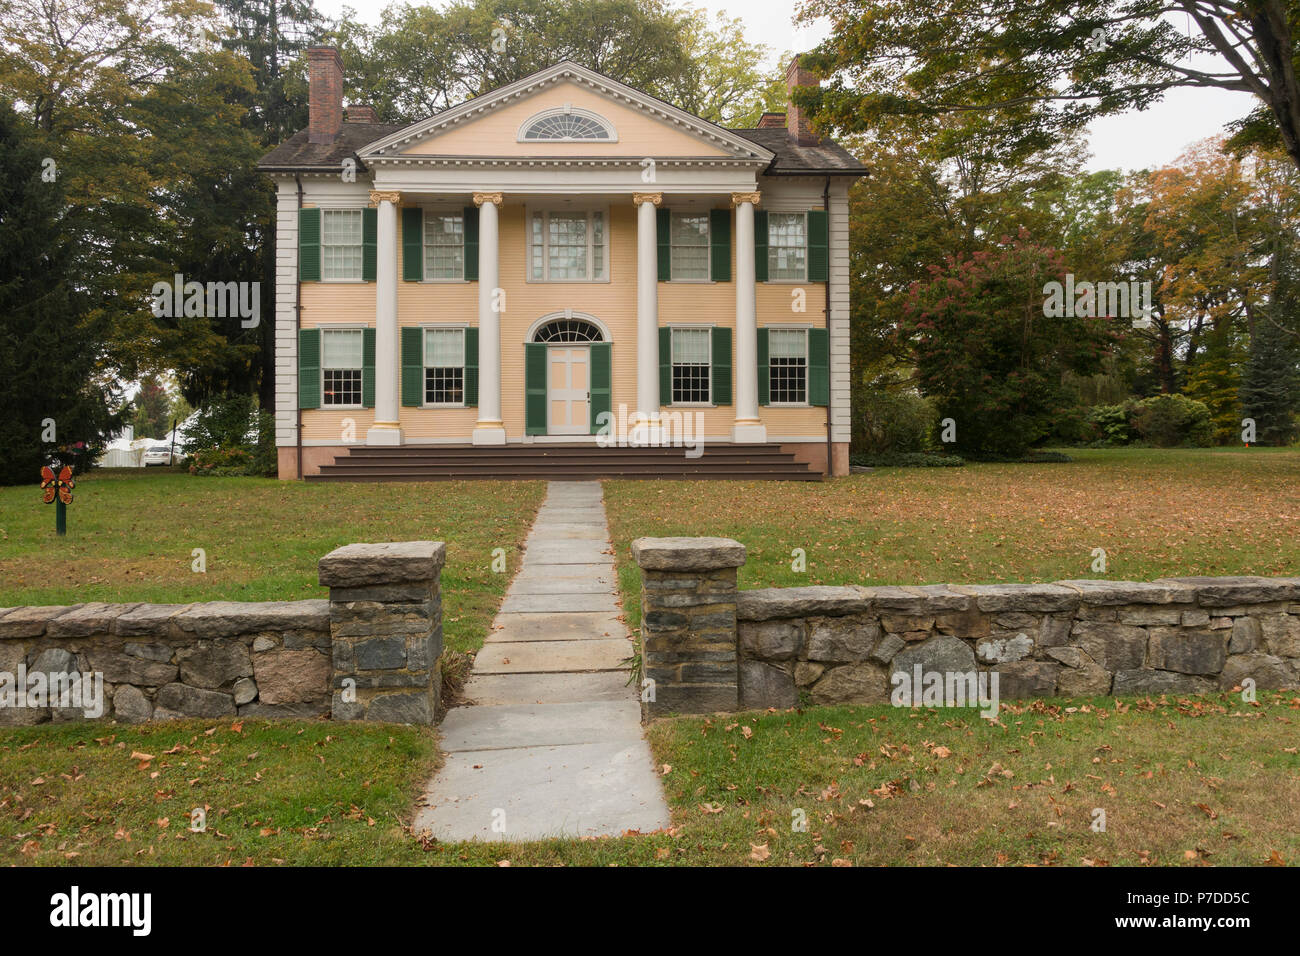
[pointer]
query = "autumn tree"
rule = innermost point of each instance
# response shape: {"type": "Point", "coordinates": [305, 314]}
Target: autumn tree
{"type": "Point", "coordinates": [1079, 59]}
{"type": "Point", "coordinates": [986, 353]}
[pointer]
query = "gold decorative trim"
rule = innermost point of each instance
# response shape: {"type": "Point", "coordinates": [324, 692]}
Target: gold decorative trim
{"type": "Point", "coordinates": [493, 198]}
{"type": "Point", "coordinates": [386, 425]}
{"type": "Point", "coordinates": [639, 198]}
{"type": "Point", "coordinates": [377, 196]}
{"type": "Point", "coordinates": [738, 198]}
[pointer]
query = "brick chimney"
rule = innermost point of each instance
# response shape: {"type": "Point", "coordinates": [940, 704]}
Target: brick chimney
{"type": "Point", "coordinates": [325, 94]}
{"type": "Point", "coordinates": [772, 121]}
{"type": "Point", "coordinates": [361, 113]}
{"type": "Point", "coordinates": [795, 121]}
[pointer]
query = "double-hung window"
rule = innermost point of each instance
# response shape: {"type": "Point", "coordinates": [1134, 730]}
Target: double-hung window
{"type": "Point", "coordinates": [340, 245]}
{"type": "Point", "coordinates": [692, 367]}
{"type": "Point", "coordinates": [341, 360]}
{"type": "Point", "coordinates": [567, 246]}
{"type": "Point", "coordinates": [787, 351]}
{"type": "Point", "coordinates": [444, 366]}
{"type": "Point", "coordinates": [787, 245]}
{"type": "Point", "coordinates": [689, 240]}
{"type": "Point", "coordinates": [444, 245]}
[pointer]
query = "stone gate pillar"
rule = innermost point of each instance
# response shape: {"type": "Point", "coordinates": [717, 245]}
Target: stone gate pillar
{"type": "Point", "coordinates": [688, 623]}
{"type": "Point", "coordinates": [385, 630]}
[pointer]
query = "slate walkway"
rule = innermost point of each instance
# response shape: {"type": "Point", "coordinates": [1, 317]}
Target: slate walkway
{"type": "Point", "coordinates": [552, 743]}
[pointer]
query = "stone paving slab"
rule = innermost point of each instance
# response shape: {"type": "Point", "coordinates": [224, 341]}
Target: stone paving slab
{"type": "Point", "coordinates": [564, 585]}
{"type": "Point", "coordinates": [601, 789]}
{"type": "Point", "coordinates": [563, 688]}
{"type": "Point", "coordinates": [566, 572]}
{"type": "Point", "coordinates": [571, 532]}
{"type": "Point", "coordinates": [559, 603]}
{"type": "Point", "coordinates": [583, 626]}
{"type": "Point", "coordinates": [531, 657]}
{"type": "Point", "coordinates": [561, 554]}
{"type": "Point", "coordinates": [541, 725]}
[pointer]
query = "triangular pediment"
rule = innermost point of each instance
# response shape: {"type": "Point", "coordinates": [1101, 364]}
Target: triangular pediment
{"type": "Point", "coordinates": [636, 125]}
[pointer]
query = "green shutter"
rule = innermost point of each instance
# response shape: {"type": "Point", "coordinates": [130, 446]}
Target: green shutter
{"type": "Point", "coordinates": [309, 245]}
{"type": "Point", "coordinates": [600, 384]}
{"type": "Point", "coordinates": [665, 366]}
{"type": "Point", "coordinates": [721, 340]}
{"type": "Point", "coordinates": [720, 245]}
{"type": "Point", "coordinates": [663, 233]}
{"type": "Point", "coordinates": [471, 367]}
{"type": "Point", "coordinates": [309, 368]}
{"type": "Point", "coordinates": [760, 245]}
{"type": "Point", "coordinates": [535, 389]}
{"type": "Point", "coordinates": [819, 367]}
{"type": "Point", "coordinates": [764, 370]}
{"type": "Point", "coordinates": [369, 232]}
{"type": "Point", "coordinates": [412, 244]}
{"type": "Point", "coordinates": [819, 245]}
{"type": "Point", "coordinates": [412, 367]}
{"type": "Point", "coordinates": [367, 368]}
{"type": "Point", "coordinates": [471, 243]}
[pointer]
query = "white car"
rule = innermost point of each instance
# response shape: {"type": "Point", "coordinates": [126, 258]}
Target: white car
{"type": "Point", "coordinates": [157, 455]}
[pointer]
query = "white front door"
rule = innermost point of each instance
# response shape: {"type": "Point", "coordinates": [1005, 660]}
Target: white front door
{"type": "Point", "coordinates": [568, 390]}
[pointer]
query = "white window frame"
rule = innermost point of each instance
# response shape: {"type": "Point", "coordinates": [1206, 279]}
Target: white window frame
{"type": "Point", "coordinates": [546, 211]}
{"type": "Point", "coordinates": [425, 328]}
{"type": "Point", "coordinates": [427, 214]}
{"type": "Point", "coordinates": [771, 249]}
{"type": "Point", "coordinates": [350, 327]}
{"type": "Point", "coordinates": [807, 365]}
{"type": "Point", "coordinates": [673, 330]}
{"type": "Point", "coordinates": [361, 245]}
{"type": "Point", "coordinates": [611, 133]}
{"type": "Point", "coordinates": [708, 243]}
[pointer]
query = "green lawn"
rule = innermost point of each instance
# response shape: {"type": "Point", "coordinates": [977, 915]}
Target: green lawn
{"type": "Point", "coordinates": [1154, 512]}
{"type": "Point", "coordinates": [1209, 781]}
{"type": "Point", "coordinates": [131, 536]}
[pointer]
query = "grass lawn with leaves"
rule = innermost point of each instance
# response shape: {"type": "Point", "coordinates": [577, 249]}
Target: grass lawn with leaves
{"type": "Point", "coordinates": [1204, 781]}
{"type": "Point", "coordinates": [1154, 512]}
{"type": "Point", "coordinates": [132, 534]}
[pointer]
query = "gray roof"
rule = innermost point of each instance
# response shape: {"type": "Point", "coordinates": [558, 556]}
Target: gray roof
{"type": "Point", "coordinates": [828, 158]}
{"type": "Point", "coordinates": [296, 154]}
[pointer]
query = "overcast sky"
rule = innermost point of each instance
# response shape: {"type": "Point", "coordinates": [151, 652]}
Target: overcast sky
{"type": "Point", "coordinates": [1128, 141]}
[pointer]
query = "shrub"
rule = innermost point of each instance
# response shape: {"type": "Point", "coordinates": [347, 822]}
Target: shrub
{"type": "Point", "coordinates": [228, 424]}
{"type": "Point", "coordinates": [1168, 421]}
{"type": "Point", "coordinates": [888, 422]}
{"type": "Point", "coordinates": [911, 459]}
{"type": "Point", "coordinates": [221, 461]}
{"type": "Point", "coordinates": [1109, 424]}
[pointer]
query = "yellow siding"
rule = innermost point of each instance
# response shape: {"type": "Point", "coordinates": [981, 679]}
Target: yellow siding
{"type": "Point", "coordinates": [495, 134]}
{"type": "Point", "coordinates": [613, 303]}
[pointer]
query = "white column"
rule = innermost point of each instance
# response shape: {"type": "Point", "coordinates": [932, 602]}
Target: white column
{"type": "Point", "coordinates": [387, 429]}
{"type": "Point", "coordinates": [747, 428]}
{"type": "Point", "coordinates": [647, 316]}
{"type": "Point", "coordinates": [490, 430]}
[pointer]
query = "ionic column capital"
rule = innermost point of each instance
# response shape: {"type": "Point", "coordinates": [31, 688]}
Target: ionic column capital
{"type": "Point", "coordinates": [377, 196]}
{"type": "Point", "coordinates": [738, 198]}
{"type": "Point", "coordinates": [654, 198]}
{"type": "Point", "coordinates": [494, 198]}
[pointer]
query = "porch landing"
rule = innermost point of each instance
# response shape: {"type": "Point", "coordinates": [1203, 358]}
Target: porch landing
{"type": "Point", "coordinates": [558, 462]}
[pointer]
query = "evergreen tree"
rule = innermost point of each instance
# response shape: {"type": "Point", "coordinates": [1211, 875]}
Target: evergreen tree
{"type": "Point", "coordinates": [1270, 388]}
{"type": "Point", "coordinates": [51, 403]}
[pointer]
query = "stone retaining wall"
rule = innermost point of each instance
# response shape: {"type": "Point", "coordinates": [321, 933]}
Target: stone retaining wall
{"type": "Point", "coordinates": [370, 652]}
{"type": "Point", "coordinates": [1071, 638]}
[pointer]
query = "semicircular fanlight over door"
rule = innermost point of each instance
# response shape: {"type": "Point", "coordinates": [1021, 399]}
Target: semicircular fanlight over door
{"type": "Point", "coordinates": [568, 330]}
